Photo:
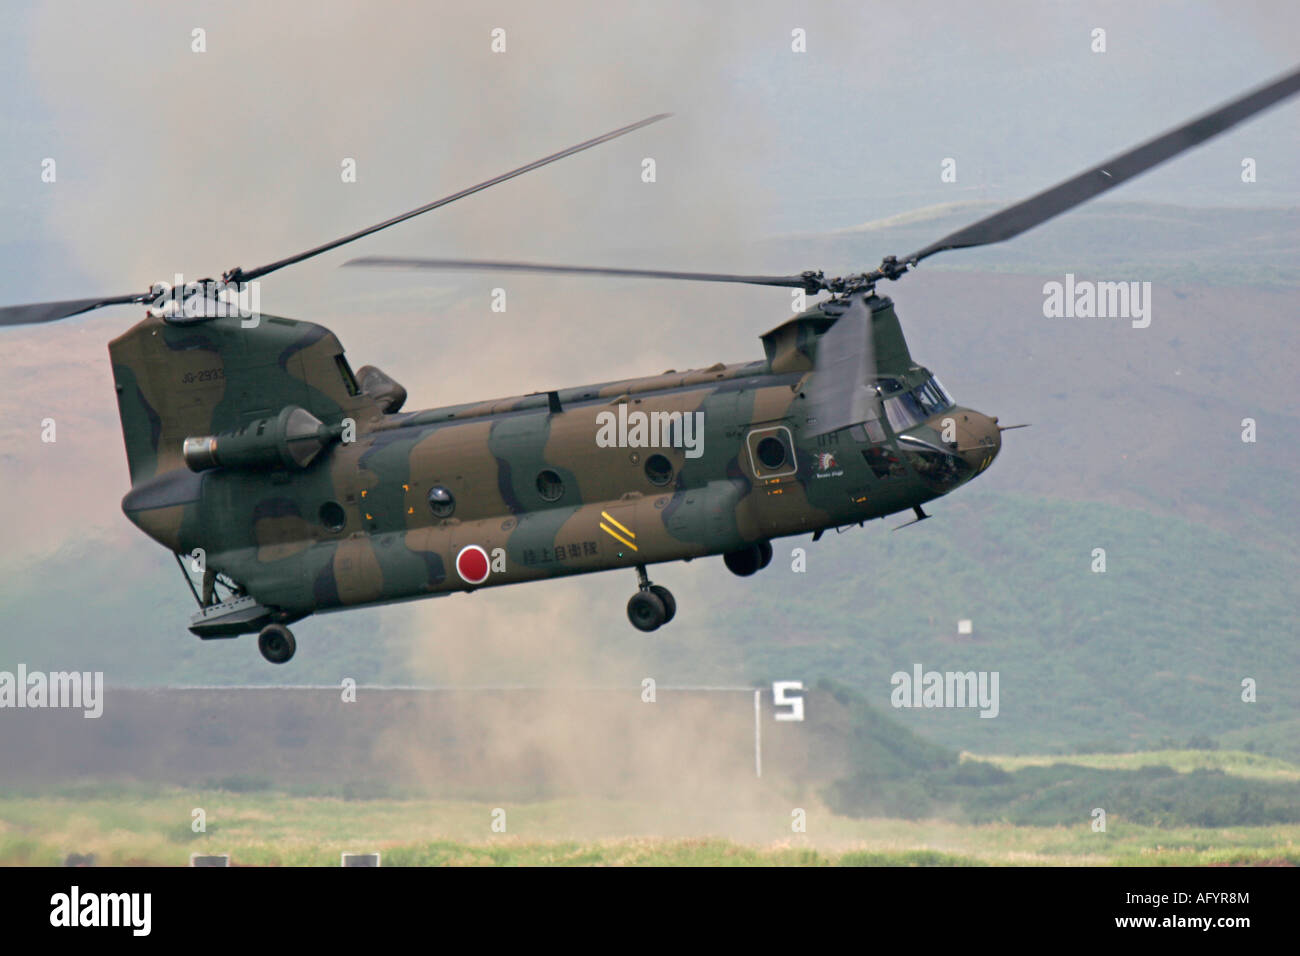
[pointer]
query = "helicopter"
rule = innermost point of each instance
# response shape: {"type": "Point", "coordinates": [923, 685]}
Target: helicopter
{"type": "Point", "coordinates": [286, 484]}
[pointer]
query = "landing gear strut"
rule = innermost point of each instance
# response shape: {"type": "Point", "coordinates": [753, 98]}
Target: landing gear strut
{"type": "Point", "coordinates": [276, 643]}
{"type": "Point", "coordinates": [652, 606]}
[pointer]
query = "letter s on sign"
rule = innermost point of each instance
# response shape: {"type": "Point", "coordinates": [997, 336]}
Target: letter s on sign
{"type": "Point", "coordinates": [780, 699]}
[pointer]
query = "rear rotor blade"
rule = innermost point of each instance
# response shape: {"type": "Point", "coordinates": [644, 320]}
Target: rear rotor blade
{"type": "Point", "coordinates": [50, 311]}
{"type": "Point", "coordinates": [244, 275]}
{"type": "Point", "coordinates": [809, 281]}
{"type": "Point", "coordinates": [1016, 219]}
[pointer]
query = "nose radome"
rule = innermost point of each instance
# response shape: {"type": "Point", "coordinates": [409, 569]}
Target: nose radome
{"type": "Point", "coordinates": [978, 438]}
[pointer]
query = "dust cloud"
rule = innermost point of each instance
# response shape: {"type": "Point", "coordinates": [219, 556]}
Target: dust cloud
{"type": "Point", "coordinates": [680, 765]}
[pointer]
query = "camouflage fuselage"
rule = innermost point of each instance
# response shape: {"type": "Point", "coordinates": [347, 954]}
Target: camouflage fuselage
{"type": "Point", "coordinates": [526, 478]}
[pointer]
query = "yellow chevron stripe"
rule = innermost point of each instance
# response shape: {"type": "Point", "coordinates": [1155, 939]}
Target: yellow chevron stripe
{"type": "Point", "coordinates": [626, 531]}
{"type": "Point", "coordinates": [614, 534]}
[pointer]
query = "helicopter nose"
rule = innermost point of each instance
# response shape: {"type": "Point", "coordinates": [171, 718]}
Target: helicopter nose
{"type": "Point", "coordinates": [979, 439]}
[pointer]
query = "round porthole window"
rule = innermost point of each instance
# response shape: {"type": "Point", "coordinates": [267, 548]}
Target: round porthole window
{"type": "Point", "coordinates": [332, 516]}
{"type": "Point", "coordinates": [659, 470]}
{"type": "Point", "coordinates": [441, 502]}
{"type": "Point", "coordinates": [771, 452]}
{"type": "Point", "coordinates": [549, 486]}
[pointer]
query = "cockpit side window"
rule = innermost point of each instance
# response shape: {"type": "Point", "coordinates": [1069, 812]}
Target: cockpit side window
{"type": "Point", "coordinates": [904, 411]}
{"type": "Point", "coordinates": [911, 408]}
{"type": "Point", "coordinates": [884, 463]}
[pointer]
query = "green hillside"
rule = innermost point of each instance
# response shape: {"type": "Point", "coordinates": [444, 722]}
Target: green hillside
{"type": "Point", "coordinates": [1156, 647]}
{"type": "Point", "coordinates": [894, 774]}
{"type": "Point", "coordinates": [1154, 650]}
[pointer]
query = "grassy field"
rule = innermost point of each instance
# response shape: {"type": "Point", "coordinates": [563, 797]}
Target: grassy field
{"type": "Point", "coordinates": [122, 825]}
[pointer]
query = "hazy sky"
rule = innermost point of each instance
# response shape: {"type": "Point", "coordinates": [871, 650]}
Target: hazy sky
{"type": "Point", "coordinates": [173, 160]}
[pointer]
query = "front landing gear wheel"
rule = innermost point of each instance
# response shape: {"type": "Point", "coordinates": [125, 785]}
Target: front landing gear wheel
{"type": "Point", "coordinates": [751, 558]}
{"type": "Point", "coordinates": [669, 602]}
{"type": "Point", "coordinates": [276, 643]}
{"type": "Point", "coordinates": [646, 611]}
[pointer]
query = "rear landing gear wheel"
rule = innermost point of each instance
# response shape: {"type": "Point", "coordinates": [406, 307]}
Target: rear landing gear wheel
{"type": "Point", "coordinates": [652, 606]}
{"type": "Point", "coordinates": [669, 602]}
{"type": "Point", "coordinates": [646, 611]}
{"type": "Point", "coordinates": [764, 554]}
{"type": "Point", "coordinates": [276, 643]}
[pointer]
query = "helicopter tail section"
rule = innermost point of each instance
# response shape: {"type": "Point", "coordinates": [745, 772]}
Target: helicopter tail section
{"type": "Point", "coordinates": [176, 381]}
{"type": "Point", "coordinates": [208, 380]}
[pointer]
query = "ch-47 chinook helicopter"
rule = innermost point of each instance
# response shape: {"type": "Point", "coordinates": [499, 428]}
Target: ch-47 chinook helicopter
{"type": "Point", "coordinates": [304, 487]}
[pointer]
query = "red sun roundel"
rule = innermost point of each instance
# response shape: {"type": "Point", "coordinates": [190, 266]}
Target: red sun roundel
{"type": "Point", "coordinates": [472, 564]}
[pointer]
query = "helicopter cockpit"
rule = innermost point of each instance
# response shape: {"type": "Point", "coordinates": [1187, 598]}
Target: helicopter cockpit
{"type": "Point", "coordinates": [908, 408]}
{"type": "Point", "coordinates": [938, 463]}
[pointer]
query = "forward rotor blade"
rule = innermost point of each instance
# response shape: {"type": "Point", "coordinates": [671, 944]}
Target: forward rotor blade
{"type": "Point", "coordinates": [50, 311]}
{"type": "Point", "coordinates": [242, 275]}
{"type": "Point", "coordinates": [487, 265]}
{"type": "Point", "coordinates": [1016, 219]}
{"type": "Point", "coordinates": [841, 391]}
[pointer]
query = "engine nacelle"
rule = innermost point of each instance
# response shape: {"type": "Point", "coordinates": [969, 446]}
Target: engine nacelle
{"type": "Point", "coordinates": [292, 439]}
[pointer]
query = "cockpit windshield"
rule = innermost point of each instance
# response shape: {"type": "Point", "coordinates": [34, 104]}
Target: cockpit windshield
{"type": "Point", "coordinates": [907, 409]}
{"type": "Point", "coordinates": [932, 396]}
